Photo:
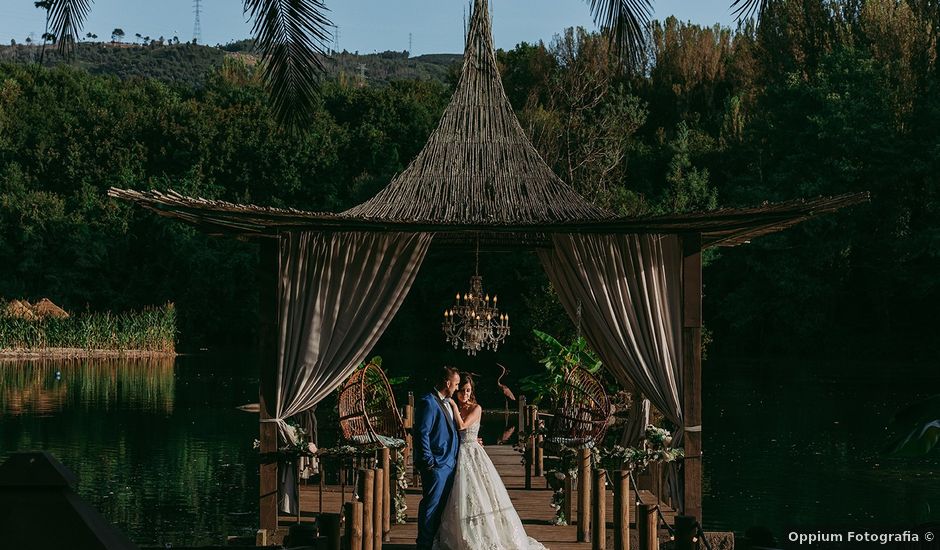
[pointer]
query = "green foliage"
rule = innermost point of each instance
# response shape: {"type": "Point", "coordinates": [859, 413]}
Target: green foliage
{"type": "Point", "coordinates": [818, 98]}
{"type": "Point", "coordinates": [558, 361]}
{"type": "Point", "coordinates": [916, 429]}
{"type": "Point", "coordinates": [151, 329]}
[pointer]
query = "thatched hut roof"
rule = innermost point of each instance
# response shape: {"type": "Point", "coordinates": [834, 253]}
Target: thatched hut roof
{"type": "Point", "coordinates": [19, 310]}
{"type": "Point", "coordinates": [45, 308]}
{"type": "Point", "coordinates": [479, 177]}
{"type": "Point", "coordinates": [478, 166]}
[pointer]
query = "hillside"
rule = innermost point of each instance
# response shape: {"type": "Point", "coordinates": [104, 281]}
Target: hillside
{"type": "Point", "coordinates": [189, 64]}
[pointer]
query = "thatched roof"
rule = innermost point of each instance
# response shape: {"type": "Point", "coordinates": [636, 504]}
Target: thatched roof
{"type": "Point", "coordinates": [479, 178]}
{"type": "Point", "coordinates": [478, 166]}
{"type": "Point", "coordinates": [723, 227]}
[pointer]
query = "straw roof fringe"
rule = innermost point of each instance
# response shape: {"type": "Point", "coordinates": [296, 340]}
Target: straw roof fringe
{"type": "Point", "coordinates": [479, 180]}
{"type": "Point", "coordinates": [478, 166]}
{"type": "Point", "coordinates": [722, 227]}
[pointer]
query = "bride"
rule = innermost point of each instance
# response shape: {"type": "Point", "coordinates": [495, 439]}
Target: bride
{"type": "Point", "coordinates": [478, 514]}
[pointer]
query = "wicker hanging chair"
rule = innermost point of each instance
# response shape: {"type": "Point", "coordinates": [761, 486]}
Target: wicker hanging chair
{"type": "Point", "coordinates": [581, 411]}
{"type": "Point", "coordinates": [368, 415]}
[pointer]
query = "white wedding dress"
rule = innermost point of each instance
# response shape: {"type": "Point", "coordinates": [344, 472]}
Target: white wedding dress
{"type": "Point", "coordinates": [478, 514]}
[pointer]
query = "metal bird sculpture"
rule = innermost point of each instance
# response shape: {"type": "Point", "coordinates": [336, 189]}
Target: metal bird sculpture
{"type": "Point", "coordinates": [499, 381]}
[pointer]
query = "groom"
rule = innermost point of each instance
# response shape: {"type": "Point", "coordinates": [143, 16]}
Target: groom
{"type": "Point", "coordinates": [435, 453]}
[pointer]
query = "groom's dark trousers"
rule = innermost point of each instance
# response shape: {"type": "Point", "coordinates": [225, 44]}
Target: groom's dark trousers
{"type": "Point", "coordinates": [435, 456]}
{"type": "Point", "coordinates": [436, 485]}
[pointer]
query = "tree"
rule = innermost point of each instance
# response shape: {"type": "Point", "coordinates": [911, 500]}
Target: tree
{"type": "Point", "coordinates": [44, 5]}
{"type": "Point", "coordinates": [117, 34]}
{"type": "Point", "coordinates": [293, 38]}
{"type": "Point", "coordinates": [137, 35]}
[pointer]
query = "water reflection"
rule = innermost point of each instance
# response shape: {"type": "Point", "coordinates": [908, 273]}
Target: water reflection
{"type": "Point", "coordinates": [157, 444]}
{"type": "Point", "coordinates": [47, 386]}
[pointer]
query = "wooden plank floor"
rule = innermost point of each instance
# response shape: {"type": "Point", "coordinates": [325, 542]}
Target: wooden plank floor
{"type": "Point", "coordinates": [533, 506]}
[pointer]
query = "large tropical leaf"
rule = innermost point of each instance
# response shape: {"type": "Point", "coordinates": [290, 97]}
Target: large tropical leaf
{"type": "Point", "coordinates": [746, 9]}
{"type": "Point", "coordinates": [627, 25]}
{"type": "Point", "coordinates": [291, 36]}
{"type": "Point", "coordinates": [916, 428]}
{"type": "Point", "coordinates": [66, 19]}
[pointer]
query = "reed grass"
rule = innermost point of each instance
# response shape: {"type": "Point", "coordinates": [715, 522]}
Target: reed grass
{"type": "Point", "coordinates": [151, 329]}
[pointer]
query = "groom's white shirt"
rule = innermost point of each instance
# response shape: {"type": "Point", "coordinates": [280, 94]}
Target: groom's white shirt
{"type": "Point", "coordinates": [447, 407]}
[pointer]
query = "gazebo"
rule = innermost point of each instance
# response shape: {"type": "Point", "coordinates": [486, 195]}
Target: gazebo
{"type": "Point", "coordinates": [333, 281]}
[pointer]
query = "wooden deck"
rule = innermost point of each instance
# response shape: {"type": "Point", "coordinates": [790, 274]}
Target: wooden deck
{"type": "Point", "coordinates": [533, 506]}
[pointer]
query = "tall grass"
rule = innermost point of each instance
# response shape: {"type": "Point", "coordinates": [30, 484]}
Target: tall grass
{"type": "Point", "coordinates": [151, 329]}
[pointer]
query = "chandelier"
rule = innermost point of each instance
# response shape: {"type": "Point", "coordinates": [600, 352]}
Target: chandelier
{"type": "Point", "coordinates": [474, 322]}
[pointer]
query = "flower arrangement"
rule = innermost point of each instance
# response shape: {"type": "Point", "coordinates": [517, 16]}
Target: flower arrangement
{"type": "Point", "coordinates": [655, 449]}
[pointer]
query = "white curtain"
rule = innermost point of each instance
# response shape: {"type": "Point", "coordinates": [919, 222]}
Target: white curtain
{"type": "Point", "coordinates": [629, 287]}
{"type": "Point", "coordinates": [337, 293]}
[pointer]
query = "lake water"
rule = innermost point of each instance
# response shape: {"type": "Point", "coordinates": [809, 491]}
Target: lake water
{"type": "Point", "coordinates": [161, 450]}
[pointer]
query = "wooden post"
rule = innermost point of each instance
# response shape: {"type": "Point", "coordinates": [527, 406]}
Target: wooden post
{"type": "Point", "coordinates": [692, 373]}
{"type": "Point", "coordinates": [537, 444]}
{"type": "Point", "coordinates": [646, 527]}
{"type": "Point", "coordinates": [599, 511]}
{"type": "Point", "coordinates": [409, 419]}
{"type": "Point", "coordinates": [353, 511]}
{"type": "Point", "coordinates": [322, 485]}
{"type": "Point", "coordinates": [621, 482]}
{"type": "Point", "coordinates": [569, 499]}
{"type": "Point", "coordinates": [386, 494]}
{"type": "Point", "coordinates": [522, 418]}
{"type": "Point", "coordinates": [378, 513]}
{"type": "Point", "coordinates": [686, 533]}
{"type": "Point", "coordinates": [529, 446]}
{"type": "Point", "coordinates": [366, 492]}
{"type": "Point", "coordinates": [267, 312]}
{"type": "Point", "coordinates": [584, 495]}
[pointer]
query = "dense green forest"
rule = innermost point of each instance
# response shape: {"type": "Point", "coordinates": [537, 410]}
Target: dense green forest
{"type": "Point", "coordinates": [191, 64]}
{"type": "Point", "coordinates": [820, 98]}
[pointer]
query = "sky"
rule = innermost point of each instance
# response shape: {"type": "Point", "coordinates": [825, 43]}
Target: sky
{"type": "Point", "coordinates": [366, 26]}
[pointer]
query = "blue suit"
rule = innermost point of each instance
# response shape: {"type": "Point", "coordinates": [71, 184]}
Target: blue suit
{"type": "Point", "coordinates": [435, 441]}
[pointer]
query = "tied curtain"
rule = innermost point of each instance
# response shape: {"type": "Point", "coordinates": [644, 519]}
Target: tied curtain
{"type": "Point", "coordinates": [337, 293]}
{"type": "Point", "coordinates": [629, 288]}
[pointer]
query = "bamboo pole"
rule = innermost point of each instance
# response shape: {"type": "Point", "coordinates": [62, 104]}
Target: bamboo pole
{"type": "Point", "coordinates": [366, 492]}
{"type": "Point", "coordinates": [386, 494]}
{"type": "Point", "coordinates": [599, 511]}
{"type": "Point", "coordinates": [378, 507]}
{"type": "Point", "coordinates": [621, 482]}
{"type": "Point", "coordinates": [584, 495]}
{"type": "Point", "coordinates": [646, 529]}
{"type": "Point", "coordinates": [353, 511]}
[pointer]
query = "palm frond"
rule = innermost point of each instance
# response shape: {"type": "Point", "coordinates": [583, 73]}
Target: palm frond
{"type": "Point", "coordinates": [627, 25]}
{"type": "Point", "coordinates": [291, 36]}
{"type": "Point", "coordinates": [66, 19]}
{"type": "Point", "coordinates": [746, 9]}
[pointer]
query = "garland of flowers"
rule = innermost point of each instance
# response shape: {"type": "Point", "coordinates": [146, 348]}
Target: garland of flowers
{"type": "Point", "coordinates": [401, 485]}
{"type": "Point", "coordinates": [655, 449]}
{"type": "Point", "coordinates": [560, 467]}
